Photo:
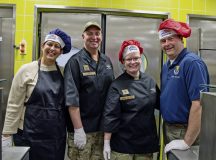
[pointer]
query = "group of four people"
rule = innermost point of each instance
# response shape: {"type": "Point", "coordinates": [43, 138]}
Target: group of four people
{"type": "Point", "coordinates": [105, 118]}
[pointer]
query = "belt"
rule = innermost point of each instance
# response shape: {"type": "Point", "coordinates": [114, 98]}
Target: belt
{"type": "Point", "coordinates": [178, 125]}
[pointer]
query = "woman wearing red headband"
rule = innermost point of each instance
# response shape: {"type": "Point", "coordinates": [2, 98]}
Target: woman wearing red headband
{"type": "Point", "coordinates": [129, 123]}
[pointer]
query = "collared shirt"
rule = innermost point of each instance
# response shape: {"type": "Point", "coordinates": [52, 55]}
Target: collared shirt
{"type": "Point", "coordinates": [180, 85]}
{"type": "Point", "coordinates": [129, 114]}
{"type": "Point", "coordinates": [86, 86]}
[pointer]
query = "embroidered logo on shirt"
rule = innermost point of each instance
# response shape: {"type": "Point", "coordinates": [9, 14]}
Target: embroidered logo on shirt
{"type": "Point", "coordinates": [125, 91]}
{"type": "Point", "coordinates": [126, 95]}
{"type": "Point", "coordinates": [86, 68]}
{"type": "Point", "coordinates": [176, 70]}
{"type": "Point", "coordinates": [108, 66]}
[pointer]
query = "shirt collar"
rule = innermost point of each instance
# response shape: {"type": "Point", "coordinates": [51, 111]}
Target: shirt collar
{"type": "Point", "coordinates": [179, 58]}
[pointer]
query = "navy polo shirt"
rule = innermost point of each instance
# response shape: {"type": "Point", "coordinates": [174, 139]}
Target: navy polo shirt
{"type": "Point", "coordinates": [180, 85]}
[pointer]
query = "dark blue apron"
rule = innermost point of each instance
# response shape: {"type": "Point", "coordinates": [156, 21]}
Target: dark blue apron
{"type": "Point", "coordinates": [44, 127]}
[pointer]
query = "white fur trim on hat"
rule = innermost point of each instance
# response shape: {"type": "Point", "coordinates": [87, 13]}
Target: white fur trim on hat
{"type": "Point", "coordinates": [130, 49]}
{"type": "Point", "coordinates": [55, 38]}
{"type": "Point", "coordinates": [166, 33]}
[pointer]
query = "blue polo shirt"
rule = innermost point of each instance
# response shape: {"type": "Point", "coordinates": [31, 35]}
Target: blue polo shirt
{"type": "Point", "coordinates": [180, 85]}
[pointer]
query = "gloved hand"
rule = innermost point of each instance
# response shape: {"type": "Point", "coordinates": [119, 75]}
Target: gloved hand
{"type": "Point", "coordinates": [106, 150]}
{"type": "Point", "coordinates": [176, 144]}
{"type": "Point", "coordinates": [6, 141]}
{"type": "Point", "coordinates": [79, 138]}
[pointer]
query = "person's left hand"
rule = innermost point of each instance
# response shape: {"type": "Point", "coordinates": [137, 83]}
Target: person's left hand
{"type": "Point", "coordinates": [106, 150]}
{"type": "Point", "coordinates": [176, 144]}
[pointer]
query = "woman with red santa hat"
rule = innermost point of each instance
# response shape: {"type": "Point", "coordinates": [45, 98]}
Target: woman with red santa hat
{"type": "Point", "coordinates": [129, 122]}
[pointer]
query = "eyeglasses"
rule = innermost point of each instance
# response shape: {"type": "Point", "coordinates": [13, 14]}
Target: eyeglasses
{"type": "Point", "coordinates": [135, 59]}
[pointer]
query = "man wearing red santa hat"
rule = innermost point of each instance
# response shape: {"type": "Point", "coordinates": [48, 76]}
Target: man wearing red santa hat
{"type": "Point", "coordinates": [181, 78]}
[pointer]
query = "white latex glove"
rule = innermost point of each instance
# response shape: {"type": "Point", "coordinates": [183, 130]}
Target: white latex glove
{"type": "Point", "coordinates": [6, 141]}
{"type": "Point", "coordinates": [79, 138]}
{"type": "Point", "coordinates": [106, 150]}
{"type": "Point", "coordinates": [176, 144]}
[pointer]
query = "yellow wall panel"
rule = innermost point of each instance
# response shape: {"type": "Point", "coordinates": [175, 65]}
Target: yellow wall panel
{"type": "Point", "coordinates": [12, 1]}
{"type": "Point", "coordinates": [122, 3]}
{"type": "Point", "coordinates": [73, 3]}
{"type": "Point", "coordinates": [4, 2]}
{"type": "Point", "coordinates": [29, 8]}
{"type": "Point", "coordinates": [18, 64]}
{"type": "Point", "coordinates": [126, 4]}
{"type": "Point", "coordinates": [198, 12]}
{"type": "Point", "coordinates": [20, 9]}
{"type": "Point", "coordinates": [199, 5]}
{"type": "Point", "coordinates": [186, 4]}
{"type": "Point", "coordinates": [137, 3]}
{"type": "Point", "coordinates": [166, 4]}
{"type": "Point", "coordinates": [212, 13]}
{"type": "Point", "coordinates": [105, 4]}
{"type": "Point", "coordinates": [210, 5]}
{"type": "Point", "coordinates": [55, 3]}
{"type": "Point", "coordinates": [19, 34]}
{"type": "Point", "coordinates": [183, 14]}
{"type": "Point", "coordinates": [174, 14]}
{"type": "Point", "coordinates": [19, 22]}
{"type": "Point", "coordinates": [90, 1]}
{"type": "Point", "coordinates": [29, 22]}
{"type": "Point", "coordinates": [94, 5]}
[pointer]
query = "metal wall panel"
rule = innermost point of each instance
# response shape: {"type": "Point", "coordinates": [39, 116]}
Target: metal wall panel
{"type": "Point", "coordinates": [209, 58]}
{"type": "Point", "coordinates": [203, 41]}
{"type": "Point", "coordinates": [207, 150]}
{"type": "Point", "coordinates": [1, 91]}
{"type": "Point", "coordinates": [120, 28]}
{"type": "Point", "coordinates": [208, 27]}
{"type": "Point", "coordinates": [71, 23]}
{"type": "Point", "coordinates": [193, 42]}
{"type": "Point", "coordinates": [6, 57]}
{"type": "Point", "coordinates": [6, 12]}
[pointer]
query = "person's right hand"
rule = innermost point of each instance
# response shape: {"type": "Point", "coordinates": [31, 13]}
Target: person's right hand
{"type": "Point", "coordinates": [79, 138]}
{"type": "Point", "coordinates": [6, 141]}
{"type": "Point", "coordinates": [179, 144]}
{"type": "Point", "coordinates": [106, 150]}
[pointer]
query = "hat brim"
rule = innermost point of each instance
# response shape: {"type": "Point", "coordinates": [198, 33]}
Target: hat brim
{"type": "Point", "coordinates": [93, 25]}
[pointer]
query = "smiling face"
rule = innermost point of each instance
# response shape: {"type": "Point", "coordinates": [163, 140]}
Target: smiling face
{"type": "Point", "coordinates": [51, 50]}
{"type": "Point", "coordinates": [92, 38]}
{"type": "Point", "coordinates": [132, 63]}
{"type": "Point", "coordinates": [172, 45]}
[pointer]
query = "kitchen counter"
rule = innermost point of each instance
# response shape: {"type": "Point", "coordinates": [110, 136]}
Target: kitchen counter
{"type": "Point", "coordinates": [15, 153]}
{"type": "Point", "coordinates": [190, 154]}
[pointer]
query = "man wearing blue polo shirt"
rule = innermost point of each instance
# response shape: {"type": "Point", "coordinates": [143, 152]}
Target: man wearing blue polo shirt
{"type": "Point", "coordinates": [181, 77]}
